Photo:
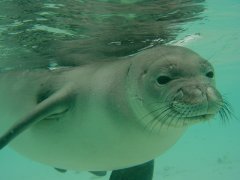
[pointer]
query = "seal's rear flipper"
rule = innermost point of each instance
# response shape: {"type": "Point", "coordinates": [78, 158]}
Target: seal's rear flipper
{"type": "Point", "coordinates": [99, 173]}
{"type": "Point", "coordinates": [57, 103]}
{"type": "Point", "coordinates": [61, 170]}
{"type": "Point", "coordinates": [96, 173]}
{"type": "Point", "coordinates": [140, 172]}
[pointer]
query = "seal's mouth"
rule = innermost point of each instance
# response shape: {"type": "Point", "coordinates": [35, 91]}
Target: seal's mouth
{"type": "Point", "coordinates": [185, 115]}
{"type": "Point", "coordinates": [192, 114]}
{"type": "Point", "coordinates": [179, 119]}
{"type": "Point", "coordinates": [197, 119]}
{"type": "Point", "coordinates": [203, 117]}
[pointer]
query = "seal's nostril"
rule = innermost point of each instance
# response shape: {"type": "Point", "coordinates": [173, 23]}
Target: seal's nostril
{"type": "Point", "coordinates": [211, 94]}
{"type": "Point", "coordinates": [180, 89]}
{"type": "Point", "coordinates": [179, 94]}
{"type": "Point", "coordinates": [197, 92]}
{"type": "Point", "coordinates": [191, 94]}
{"type": "Point", "coordinates": [210, 90]}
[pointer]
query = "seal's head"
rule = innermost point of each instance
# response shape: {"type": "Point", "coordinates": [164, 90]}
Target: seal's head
{"type": "Point", "coordinates": [173, 86]}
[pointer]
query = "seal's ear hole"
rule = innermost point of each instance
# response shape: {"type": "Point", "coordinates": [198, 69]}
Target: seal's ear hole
{"type": "Point", "coordinates": [210, 74]}
{"type": "Point", "coordinates": [163, 79]}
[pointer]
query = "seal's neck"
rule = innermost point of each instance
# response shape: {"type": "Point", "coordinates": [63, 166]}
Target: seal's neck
{"type": "Point", "coordinates": [134, 97]}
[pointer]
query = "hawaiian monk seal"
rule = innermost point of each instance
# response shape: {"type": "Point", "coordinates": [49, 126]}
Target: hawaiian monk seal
{"type": "Point", "coordinates": [109, 115]}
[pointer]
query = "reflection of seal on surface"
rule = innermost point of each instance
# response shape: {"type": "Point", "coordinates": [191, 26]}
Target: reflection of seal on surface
{"type": "Point", "coordinates": [106, 116]}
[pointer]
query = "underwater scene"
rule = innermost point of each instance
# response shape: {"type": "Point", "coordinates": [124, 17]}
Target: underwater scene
{"type": "Point", "coordinates": [61, 61]}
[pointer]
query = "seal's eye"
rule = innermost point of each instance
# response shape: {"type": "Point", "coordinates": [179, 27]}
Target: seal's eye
{"type": "Point", "coordinates": [210, 74]}
{"type": "Point", "coordinates": [163, 79]}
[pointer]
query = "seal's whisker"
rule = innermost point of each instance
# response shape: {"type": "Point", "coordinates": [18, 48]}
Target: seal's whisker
{"type": "Point", "coordinates": [183, 120]}
{"type": "Point", "coordinates": [155, 115]}
{"type": "Point", "coordinates": [173, 119]}
{"type": "Point", "coordinates": [180, 121]}
{"type": "Point", "coordinates": [226, 101]}
{"type": "Point", "coordinates": [228, 111]}
{"type": "Point", "coordinates": [225, 111]}
{"type": "Point", "coordinates": [228, 106]}
{"type": "Point", "coordinates": [224, 114]}
{"type": "Point", "coordinates": [159, 103]}
{"type": "Point", "coordinates": [166, 117]}
{"type": "Point", "coordinates": [155, 120]}
{"type": "Point", "coordinates": [153, 111]}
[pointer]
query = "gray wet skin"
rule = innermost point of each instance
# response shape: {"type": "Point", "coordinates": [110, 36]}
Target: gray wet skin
{"type": "Point", "coordinates": [107, 116]}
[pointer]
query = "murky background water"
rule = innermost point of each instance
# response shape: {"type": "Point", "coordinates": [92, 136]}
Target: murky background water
{"type": "Point", "coordinates": [43, 34]}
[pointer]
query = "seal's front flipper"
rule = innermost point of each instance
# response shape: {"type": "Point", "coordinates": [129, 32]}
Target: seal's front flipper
{"type": "Point", "coordinates": [51, 106]}
{"type": "Point", "coordinates": [140, 172]}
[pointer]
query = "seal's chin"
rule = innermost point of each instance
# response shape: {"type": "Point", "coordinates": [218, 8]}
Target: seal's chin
{"type": "Point", "coordinates": [168, 116]}
{"type": "Point", "coordinates": [204, 117]}
{"type": "Point", "coordinates": [196, 119]}
{"type": "Point", "coordinates": [179, 121]}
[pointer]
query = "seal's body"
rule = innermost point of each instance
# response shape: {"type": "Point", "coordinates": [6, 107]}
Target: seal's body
{"type": "Point", "coordinates": [97, 131]}
{"type": "Point", "coordinates": [111, 115]}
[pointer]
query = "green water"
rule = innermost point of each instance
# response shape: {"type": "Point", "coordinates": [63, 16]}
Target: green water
{"type": "Point", "coordinates": [207, 151]}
